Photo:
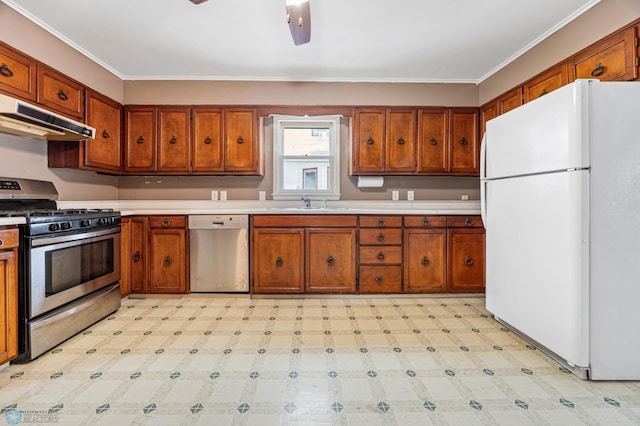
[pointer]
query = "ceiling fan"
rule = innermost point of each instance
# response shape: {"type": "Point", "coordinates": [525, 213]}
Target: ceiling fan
{"type": "Point", "coordinates": [298, 18]}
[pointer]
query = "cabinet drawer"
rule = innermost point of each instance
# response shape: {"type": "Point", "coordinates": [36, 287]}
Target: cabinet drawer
{"type": "Point", "coordinates": [298, 221]}
{"type": "Point", "coordinates": [370, 237]}
{"type": "Point", "coordinates": [425, 221]}
{"type": "Point", "coordinates": [8, 238]}
{"type": "Point", "coordinates": [380, 279]}
{"type": "Point", "coordinates": [167, 222]}
{"type": "Point", "coordinates": [60, 93]}
{"type": "Point", "coordinates": [381, 255]}
{"type": "Point", "coordinates": [380, 221]}
{"type": "Point", "coordinates": [464, 222]}
{"type": "Point", "coordinates": [17, 73]}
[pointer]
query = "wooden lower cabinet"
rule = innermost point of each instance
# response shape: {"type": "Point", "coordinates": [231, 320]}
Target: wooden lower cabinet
{"type": "Point", "coordinates": [8, 294]}
{"type": "Point", "coordinates": [159, 256]}
{"type": "Point", "coordinates": [425, 261]}
{"type": "Point", "coordinates": [465, 253]}
{"type": "Point", "coordinates": [125, 256]}
{"type": "Point", "coordinates": [330, 260]}
{"type": "Point", "coordinates": [380, 254]}
{"type": "Point", "coordinates": [277, 260]}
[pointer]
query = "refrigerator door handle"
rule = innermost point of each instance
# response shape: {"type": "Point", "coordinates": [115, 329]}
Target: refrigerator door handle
{"type": "Point", "coordinates": [483, 182]}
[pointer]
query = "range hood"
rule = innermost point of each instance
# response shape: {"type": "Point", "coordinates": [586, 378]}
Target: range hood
{"type": "Point", "coordinates": [23, 119]}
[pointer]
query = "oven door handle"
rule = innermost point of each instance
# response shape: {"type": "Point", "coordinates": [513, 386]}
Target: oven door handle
{"type": "Point", "coordinates": [57, 239]}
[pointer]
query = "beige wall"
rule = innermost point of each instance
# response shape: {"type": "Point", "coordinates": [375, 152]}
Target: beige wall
{"type": "Point", "coordinates": [599, 21]}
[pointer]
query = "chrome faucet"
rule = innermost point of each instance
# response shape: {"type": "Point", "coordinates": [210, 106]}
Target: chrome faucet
{"type": "Point", "coordinates": [307, 202]}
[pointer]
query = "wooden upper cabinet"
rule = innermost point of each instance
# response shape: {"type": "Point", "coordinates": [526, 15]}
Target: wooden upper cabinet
{"type": "Point", "coordinates": [60, 93]}
{"type": "Point", "coordinates": [17, 73]}
{"type": "Point", "coordinates": [206, 141]}
{"type": "Point", "coordinates": [401, 136]}
{"type": "Point", "coordinates": [432, 141]}
{"type": "Point", "coordinates": [510, 100]}
{"type": "Point", "coordinates": [104, 153]}
{"type": "Point", "coordinates": [487, 112]}
{"type": "Point", "coordinates": [464, 147]}
{"type": "Point", "coordinates": [368, 144]}
{"type": "Point", "coordinates": [140, 142]}
{"type": "Point", "coordinates": [242, 148]}
{"type": "Point", "coordinates": [612, 59]}
{"type": "Point", "coordinates": [546, 82]}
{"type": "Point", "coordinates": [173, 139]}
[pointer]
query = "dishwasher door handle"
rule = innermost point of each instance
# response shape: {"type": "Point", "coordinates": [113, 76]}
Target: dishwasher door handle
{"type": "Point", "coordinates": [217, 223]}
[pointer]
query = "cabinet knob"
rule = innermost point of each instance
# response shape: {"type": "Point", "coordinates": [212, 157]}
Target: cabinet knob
{"type": "Point", "coordinates": [137, 257]}
{"type": "Point", "coordinates": [401, 141]}
{"type": "Point", "coordinates": [1, 243]}
{"type": "Point", "coordinates": [369, 140]}
{"type": "Point", "coordinates": [62, 96]}
{"type": "Point", "coordinates": [240, 139]}
{"type": "Point", "coordinates": [207, 140]}
{"type": "Point", "coordinates": [105, 134]}
{"type": "Point", "coordinates": [381, 223]}
{"type": "Point", "coordinates": [5, 70]}
{"type": "Point", "coordinates": [167, 261]}
{"type": "Point", "coordinates": [464, 141]}
{"type": "Point", "coordinates": [598, 70]}
{"type": "Point", "coordinates": [433, 141]}
{"type": "Point", "coordinates": [140, 140]}
{"type": "Point", "coordinates": [468, 222]}
{"type": "Point", "coordinates": [380, 238]}
{"type": "Point", "coordinates": [330, 261]}
{"type": "Point", "coordinates": [166, 222]}
{"type": "Point", "coordinates": [425, 222]}
{"type": "Point", "coordinates": [468, 261]}
{"type": "Point", "coordinates": [379, 279]}
{"type": "Point", "coordinates": [544, 92]}
{"type": "Point", "coordinates": [278, 261]}
{"type": "Point", "coordinates": [425, 261]}
{"type": "Point", "coordinates": [173, 140]}
{"type": "Point", "coordinates": [380, 255]}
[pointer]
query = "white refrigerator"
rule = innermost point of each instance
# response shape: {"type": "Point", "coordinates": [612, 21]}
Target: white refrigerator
{"type": "Point", "coordinates": [560, 200]}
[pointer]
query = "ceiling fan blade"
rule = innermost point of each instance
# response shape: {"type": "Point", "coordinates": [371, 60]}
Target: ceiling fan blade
{"type": "Point", "coordinates": [197, 1]}
{"type": "Point", "coordinates": [299, 17]}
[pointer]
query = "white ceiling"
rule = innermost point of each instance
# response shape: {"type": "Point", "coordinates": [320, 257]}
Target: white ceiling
{"type": "Point", "coordinates": [351, 40]}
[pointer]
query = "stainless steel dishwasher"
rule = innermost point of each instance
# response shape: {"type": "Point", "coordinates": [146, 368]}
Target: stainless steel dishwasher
{"type": "Point", "coordinates": [219, 253]}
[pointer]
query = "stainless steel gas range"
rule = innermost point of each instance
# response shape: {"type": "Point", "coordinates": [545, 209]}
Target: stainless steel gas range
{"type": "Point", "coordinates": [69, 265]}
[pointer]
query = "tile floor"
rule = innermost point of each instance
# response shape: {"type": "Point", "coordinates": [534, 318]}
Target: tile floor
{"type": "Point", "coordinates": [331, 361]}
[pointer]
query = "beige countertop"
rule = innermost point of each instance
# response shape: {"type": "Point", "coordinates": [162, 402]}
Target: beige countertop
{"type": "Point", "coordinates": [16, 220]}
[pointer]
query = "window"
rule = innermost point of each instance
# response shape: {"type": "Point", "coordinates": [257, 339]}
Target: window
{"type": "Point", "coordinates": [306, 157]}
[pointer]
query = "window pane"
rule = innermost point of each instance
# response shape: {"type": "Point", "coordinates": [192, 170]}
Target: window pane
{"type": "Point", "coordinates": [306, 174]}
{"type": "Point", "coordinates": [306, 141]}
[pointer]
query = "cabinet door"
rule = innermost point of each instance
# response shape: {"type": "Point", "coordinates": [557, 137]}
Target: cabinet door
{"type": "Point", "coordinates": [173, 139]}
{"type": "Point", "coordinates": [241, 143]}
{"type": "Point", "coordinates": [167, 260]}
{"type": "Point", "coordinates": [432, 141]}
{"type": "Point", "coordinates": [278, 260]}
{"type": "Point", "coordinates": [424, 260]}
{"type": "Point", "coordinates": [545, 83]}
{"type": "Point", "coordinates": [331, 260]}
{"type": "Point", "coordinates": [466, 260]}
{"type": "Point", "coordinates": [8, 295]}
{"type": "Point", "coordinates": [104, 152]}
{"type": "Point", "coordinates": [487, 112]}
{"type": "Point", "coordinates": [59, 93]}
{"type": "Point", "coordinates": [368, 146]}
{"type": "Point", "coordinates": [140, 143]}
{"type": "Point", "coordinates": [17, 73]}
{"type": "Point", "coordinates": [400, 141]}
{"type": "Point", "coordinates": [139, 252]}
{"type": "Point", "coordinates": [125, 256]}
{"type": "Point", "coordinates": [510, 100]}
{"type": "Point", "coordinates": [206, 143]}
{"type": "Point", "coordinates": [465, 153]}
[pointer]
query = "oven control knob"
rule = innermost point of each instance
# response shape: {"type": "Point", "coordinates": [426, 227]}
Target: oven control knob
{"type": "Point", "coordinates": [66, 225]}
{"type": "Point", "coordinates": [54, 227]}
{"type": "Point", "coordinates": [85, 223]}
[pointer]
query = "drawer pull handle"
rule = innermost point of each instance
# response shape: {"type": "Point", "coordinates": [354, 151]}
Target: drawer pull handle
{"type": "Point", "coordinates": [598, 70]}
{"type": "Point", "coordinates": [207, 140]}
{"type": "Point", "coordinates": [425, 261]}
{"type": "Point", "coordinates": [369, 140]}
{"type": "Point", "coordinates": [240, 139]}
{"type": "Point", "coordinates": [380, 237]}
{"type": "Point", "coordinates": [425, 222]}
{"type": "Point", "coordinates": [401, 141]}
{"type": "Point", "coordinates": [137, 257]}
{"type": "Point", "coordinates": [278, 261]}
{"type": "Point", "coordinates": [379, 279]}
{"type": "Point", "coordinates": [464, 141]}
{"type": "Point", "coordinates": [380, 255]}
{"type": "Point", "coordinates": [167, 261]}
{"type": "Point", "coordinates": [330, 261]}
{"type": "Point", "coordinates": [166, 222]}
{"type": "Point", "coordinates": [433, 141]}
{"type": "Point", "coordinates": [6, 71]}
{"type": "Point", "coordinates": [544, 92]}
{"type": "Point", "coordinates": [381, 223]}
{"type": "Point", "coordinates": [62, 96]}
{"type": "Point", "coordinates": [173, 140]}
{"type": "Point", "coordinates": [105, 134]}
{"type": "Point", "coordinates": [468, 222]}
{"type": "Point", "coordinates": [140, 140]}
{"type": "Point", "coordinates": [1, 243]}
{"type": "Point", "coordinates": [468, 261]}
